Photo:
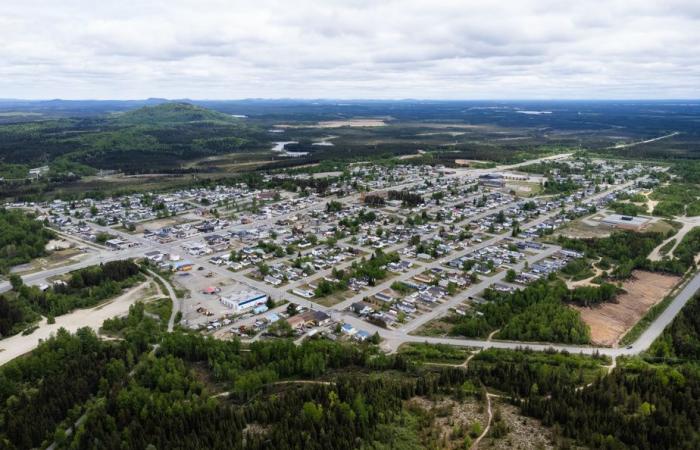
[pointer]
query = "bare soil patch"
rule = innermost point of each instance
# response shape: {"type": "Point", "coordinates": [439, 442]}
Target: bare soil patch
{"type": "Point", "coordinates": [523, 432]}
{"type": "Point", "coordinates": [610, 321]}
{"type": "Point", "coordinates": [451, 419]}
{"type": "Point", "coordinates": [164, 222]}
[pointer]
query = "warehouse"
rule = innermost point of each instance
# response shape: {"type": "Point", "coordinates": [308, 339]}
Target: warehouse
{"type": "Point", "coordinates": [244, 300]}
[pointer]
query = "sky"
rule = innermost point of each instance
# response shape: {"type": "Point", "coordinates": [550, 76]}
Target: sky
{"type": "Point", "coordinates": [421, 49]}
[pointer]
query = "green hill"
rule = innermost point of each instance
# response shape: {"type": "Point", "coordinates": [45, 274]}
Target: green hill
{"type": "Point", "coordinates": [173, 113]}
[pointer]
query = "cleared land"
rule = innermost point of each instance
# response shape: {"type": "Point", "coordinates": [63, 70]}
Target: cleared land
{"type": "Point", "coordinates": [165, 222]}
{"type": "Point", "coordinates": [19, 344]}
{"type": "Point", "coordinates": [523, 432]}
{"type": "Point", "coordinates": [370, 122]}
{"type": "Point", "coordinates": [610, 321]}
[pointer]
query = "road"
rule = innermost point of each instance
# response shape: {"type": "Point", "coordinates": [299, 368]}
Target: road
{"type": "Point", "coordinates": [632, 144]}
{"type": "Point", "coordinates": [688, 223]}
{"type": "Point", "coordinates": [177, 303]}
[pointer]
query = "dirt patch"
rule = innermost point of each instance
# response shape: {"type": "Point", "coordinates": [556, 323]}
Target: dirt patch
{"type": "Point", "coordinates": [452, 420]}
{"type": "Point", "coordinates": [522, 432]}
{"type": "Point", "coordinates": [584, 228]}
{"type": "Point", "coordinates": [436, 327]}
{"type": "Point", "coordinates": [164, 222]}
{"type": "Point", "coordinates": [610, 321]}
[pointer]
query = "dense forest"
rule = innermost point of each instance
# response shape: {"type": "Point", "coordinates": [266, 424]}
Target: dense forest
{"type": "Point", "coordinates": [191, 391]}
{"type": "Point", "coordinates": [21, 238]}
{"type": "Point", "coordinates": [646, 403]}
{"type": "Point", "coordinates": [538, 312]}
{"type": "Point", "coordinates": [624, 251]}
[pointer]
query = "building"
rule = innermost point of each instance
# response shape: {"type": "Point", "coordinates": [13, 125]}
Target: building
{"type": "Point", "coordinates": [244, 300]}
{"type": "Point", "coordinates": [362, 335]}
{"type": "Point", "coordinates": [348, 329]}
{"type": "Point", "coordinates": [362, 308]}
{"type": "Point", "coordinates": [492, 180]}
{"type": "Point", "coordinates": [37, 172]}
{"type": "Point", "coordinates": [116, 244]}
{"type": "Point", "coordinates": [182, 266]}
{"type": "Point", "coordinates": [626, 222]}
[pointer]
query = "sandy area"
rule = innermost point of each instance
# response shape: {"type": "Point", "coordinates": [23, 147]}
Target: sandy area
{"type": "Point", "coordinates": [351, 123]}
{"type": "Point", "coordinates": [18, 345]}
{"type": "Point", "coordinates": [369, 122]}
{"type": "Point", "coordinates": [58, 258]}
{"type": "Point", "coordinates": [443, 133]}
{"type": "Point", "coordinates": [610, 321]}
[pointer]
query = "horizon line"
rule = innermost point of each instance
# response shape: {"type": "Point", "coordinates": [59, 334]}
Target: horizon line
{"type": "Point", "coordinates": [358, 99]}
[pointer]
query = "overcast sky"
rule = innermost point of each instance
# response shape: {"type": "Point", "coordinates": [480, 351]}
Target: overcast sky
{"type": "Point", "coordinates": [227, 49]}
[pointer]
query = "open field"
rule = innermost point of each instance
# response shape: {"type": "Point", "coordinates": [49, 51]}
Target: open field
{"type": "Point", "coordinates": [610, 321]}
{"type": "Point", "coordinates": [584, 228]}
{"type": "Point", "coordinates": [367, 122]}
{"type": "Point", "coordinates": [524, 188]}
{"type": "Point", "coordinates": [55, 259]}
{"type": "Point", "coordinates": [164, 222]}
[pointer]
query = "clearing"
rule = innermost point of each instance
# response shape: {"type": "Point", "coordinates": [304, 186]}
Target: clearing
{"type": "Point", "coordinates": [610, 321]}
{"type": "Point", "coordinates": [369, 122]}
{"type": "Point", "coordinates": [19, 344]}
{"type": "Point", "coordinates": [157, 224]}
{"type": "Point", "coordinates": [522, 432]}
{"type": "Point", "coordinates": [55, 259]}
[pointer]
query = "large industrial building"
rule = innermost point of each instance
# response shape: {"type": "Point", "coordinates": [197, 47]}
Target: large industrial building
{"type": "Point", "coordinates": [492, 180]}
{"type": "Point", "coordinates": [244, 300]}
{"type": "Point", "coordinates": [627, 222]}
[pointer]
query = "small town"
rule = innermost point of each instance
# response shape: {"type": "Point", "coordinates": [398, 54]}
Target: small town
{"type": "Point", "coordinates": [376, 252]}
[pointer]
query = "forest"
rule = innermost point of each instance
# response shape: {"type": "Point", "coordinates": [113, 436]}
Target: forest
{"type": "Point", "coordinates": [22, 238]}
{"type": "Point", "coordinates": [624, 251]}
{"type": "Point", "coordinates": [646, 403]}
{"type": "Point", "coordinates": [539, 312]}
{"type": "Point", "coordinates": [192, 391]}
{"type": "Point", "coordinates": [162, 136]}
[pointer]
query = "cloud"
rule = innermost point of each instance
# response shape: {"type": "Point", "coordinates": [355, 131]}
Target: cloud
{"type": "Point", "coordinates": [449, 49]}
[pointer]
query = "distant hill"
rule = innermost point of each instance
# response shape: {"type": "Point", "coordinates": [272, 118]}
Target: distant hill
{"type": "Point", "coordinates": [173, 113]}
